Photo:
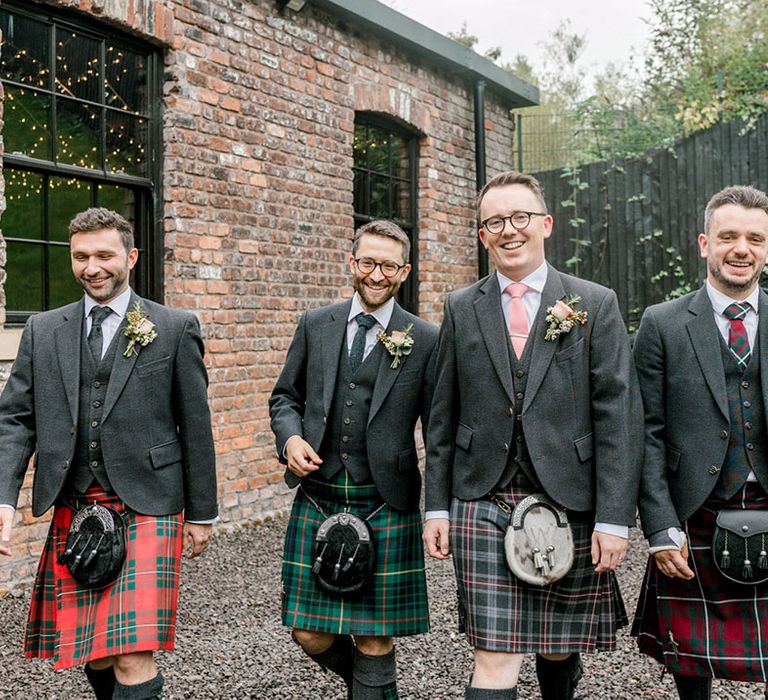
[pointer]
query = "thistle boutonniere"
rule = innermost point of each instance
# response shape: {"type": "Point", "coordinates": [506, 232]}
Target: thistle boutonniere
{"type": "Point", "coordinates": [562, 318]}
{"type": "Point", "coordinates": [139, 330]}
{"type": "Point", "coordinates": [399, 344]}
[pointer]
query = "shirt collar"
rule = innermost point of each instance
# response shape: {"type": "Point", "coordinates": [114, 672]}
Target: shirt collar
{"type": "Point", "coordinates": [721, 301]}
{"type": "Point", "coordinates": [119, 304]}
{"type": "Point", "coordinates": [382, 315]}
{"type": "Point", "coordinates": [536, 280]}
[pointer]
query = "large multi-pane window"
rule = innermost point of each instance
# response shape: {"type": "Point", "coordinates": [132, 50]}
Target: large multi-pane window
{"type": "Point", "coordinates": [385, 166]}
{"type": "Point", "coordinates": [81, 129]}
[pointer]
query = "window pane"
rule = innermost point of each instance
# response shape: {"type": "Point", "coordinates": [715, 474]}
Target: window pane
{"type": "Point", "coordinates": [379, 202]}
{"type": "Point", "coordinates": [360, 145]}
{"type": "Point", "coordinates": [397, 158]}
{"type": "Point", "coordinates": [79, 129]}
{"type": "Point", "coordinates": [119, 199]}
{"type": "Point", "coordinates": [23, 215]}
{"type": "Point", "coordinates": [24, 53]}
{"type": "Point", "coordinates": [378, 150]}
{"type": "Point", "coordinates": [126, 143]}
{"type": "Point", "coordinates": [77, 66]}
{"type": "Point", "coordinates": [125, 82]}
{"type": "Point", "coordinates": [62, 285]}
{"type": "Point", "coordinates": [27, 120]}
{"type": "Point", "coordinates": [65, 199]}
{"type": "Point", "coordinates": [359, 196]}
{"type": "Point", "coordinates": [24, 277]}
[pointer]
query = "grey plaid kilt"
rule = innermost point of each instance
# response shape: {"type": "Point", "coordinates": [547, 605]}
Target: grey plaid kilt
{"type": "Point", "coordinates": [394, 604]}
{"type": "Point", "coordinates": [709, 626]}
{"type": "Point", "coordinates": [498, 612]}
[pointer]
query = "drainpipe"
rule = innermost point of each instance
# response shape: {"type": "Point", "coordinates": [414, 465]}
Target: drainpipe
{"type": "Point", "coordinates": [482, 253]}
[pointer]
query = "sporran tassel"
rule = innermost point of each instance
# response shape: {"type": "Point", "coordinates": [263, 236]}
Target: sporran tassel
{"type": "Point", "coordinates": [762, 560]}
{"type": "Point", "coordinates": [746, 570]}
{"type": "Point", "coordinates": [725, 557]}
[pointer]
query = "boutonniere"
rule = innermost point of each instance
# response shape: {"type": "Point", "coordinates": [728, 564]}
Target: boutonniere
{"type": "Point", "coordinates": [562, 318]}
{"type": "Point", "coordinates": [139, 330]}
{"type": "Point", "coordinates": [398, 344]}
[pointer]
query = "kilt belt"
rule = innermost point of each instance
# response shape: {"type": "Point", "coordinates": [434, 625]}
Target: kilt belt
{"type": "Point", "coordinates": [136, 612]}
{"type": "Point", "coordinates": [708, 627]}
{"type": "Point", "coordinates": [581, 612]}
{"type": "Point", "coordinates": [394, 604]}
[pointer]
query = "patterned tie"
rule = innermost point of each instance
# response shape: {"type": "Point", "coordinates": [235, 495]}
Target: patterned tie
{"type": "Point", "coordinates": [95, 337]}
{"type": "Point", "coordinates": [518, 319]}
{"type": "Point", "coordinates": [738, 340]}
{"type": "Point", "coordinates": [364, 323]}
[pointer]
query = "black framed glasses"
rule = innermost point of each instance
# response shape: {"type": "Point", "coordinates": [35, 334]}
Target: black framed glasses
{"type": "Point", "coordinates": [389, 268]}
{"type": "Point", "coordinates": [518, 219]}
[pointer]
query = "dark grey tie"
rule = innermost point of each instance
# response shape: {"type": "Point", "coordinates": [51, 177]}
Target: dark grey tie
{"type": "Point", "coordinates": [95, 337]}
{"type": "Point", "coordinates": [364, 323]}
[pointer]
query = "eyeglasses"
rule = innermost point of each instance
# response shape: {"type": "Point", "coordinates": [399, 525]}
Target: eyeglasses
{"type": "Point", "coordinates": [389, 268]}
{"type": "Point", "coordinates": [518, 219]}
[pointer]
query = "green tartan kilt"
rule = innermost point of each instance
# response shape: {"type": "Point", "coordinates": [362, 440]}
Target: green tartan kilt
{"type": "Point", "coordinates": [394, 604]}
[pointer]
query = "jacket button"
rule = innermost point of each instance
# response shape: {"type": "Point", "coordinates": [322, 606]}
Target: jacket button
{"type": "Point", "coordinates": [344, 455]}
{"type": "Point", "coordinates": [714, 469]}
{"type": "Point", "coordinates": [66, 464]}
{"type": "Point", "coordinates": [519, 395]}
{"type": "Point", "coordinates": [345, 438]}
{"type": "Point", "coordinates": [506, 447]}
{"type": "Point", "coordinates": [72, 430]}
{"type": "Point", "coordinates": [747, 404]}
{"type": "Point", "coordinates": [724, 434]}
{"type": "Point", "coordinates": [352, 385]}
{"type": "Point", "coordinates": [748, 425]}
{"type": "Point", "coordinates": [510, 411]}
{"type": "Point", "coordinates": [750, 446]}
{"type": "Point", "coordinates": [519, 373]}
{"type": "Point", "coordinates": [745, 385]}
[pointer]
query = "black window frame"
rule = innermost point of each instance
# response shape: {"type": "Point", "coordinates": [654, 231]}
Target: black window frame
{"type": "Point", "coordinates": [408, 296]}
{"type": "Point", "coordinates": [147, 277]}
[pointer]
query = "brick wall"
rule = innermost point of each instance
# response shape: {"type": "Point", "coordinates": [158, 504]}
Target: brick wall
{"type": "Point", "coordinates": [258, 128]}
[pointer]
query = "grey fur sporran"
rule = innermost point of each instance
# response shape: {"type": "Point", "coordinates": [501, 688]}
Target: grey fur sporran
{"type": "Point", "coordinates": [539, 542]}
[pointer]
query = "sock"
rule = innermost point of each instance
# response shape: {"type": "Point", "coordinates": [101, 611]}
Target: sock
{"type": "Point", "coordinates": [374, 677]}
{"type": "Point", "coordinates": [558, 679]}
{"type": "Point", "coordinates": [338, 658]}
{"type": "Point", "coordinates": [102, 681]}
{"type": "Point", "coordinates": [693, 687]}
{"type": "Point", "coordinates": [471, 693]}
{"type": "Point", "coordinates": [148, 690]}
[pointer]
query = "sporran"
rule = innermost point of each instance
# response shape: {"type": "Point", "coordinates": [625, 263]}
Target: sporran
{"type": "Point", "coordinates": [739, 545]}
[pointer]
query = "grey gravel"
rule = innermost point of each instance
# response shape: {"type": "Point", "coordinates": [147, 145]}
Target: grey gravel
{"type": "Point", "coordinates": [230, 643]}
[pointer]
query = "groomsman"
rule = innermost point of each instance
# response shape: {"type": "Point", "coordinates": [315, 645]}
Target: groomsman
{"type": "Point", "coordinates": [534, 394]}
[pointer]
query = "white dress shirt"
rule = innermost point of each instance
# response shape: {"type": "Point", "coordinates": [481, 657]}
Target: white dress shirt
{"type": "Point", "coordinates": [111, 323]}
{"type": "Point", "coordinates": [382, 315]}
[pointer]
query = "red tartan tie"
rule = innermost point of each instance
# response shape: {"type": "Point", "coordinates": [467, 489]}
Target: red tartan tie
{"type": "Point", "coordinates": [738, 340]}
{"type": "Point", "coordinates": [518, 319]}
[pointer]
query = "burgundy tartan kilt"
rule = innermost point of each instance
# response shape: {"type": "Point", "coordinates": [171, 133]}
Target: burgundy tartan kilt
{"type": "Point", "coordinates": [498, 612]}
{"type": "Point", "coordinates": [394, 604]}
{"type": "Point", "coordinates": [136, 612]}
{"type": "Point", "coordinates": [709, 626]}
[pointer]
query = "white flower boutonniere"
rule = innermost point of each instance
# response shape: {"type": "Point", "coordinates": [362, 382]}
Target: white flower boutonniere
{"type": "Point", "coordinates": [562, 318]}
{"type": "Point", "coordinates": [139, 330]}
{"type": "Point", "coordinates": [398, 344]}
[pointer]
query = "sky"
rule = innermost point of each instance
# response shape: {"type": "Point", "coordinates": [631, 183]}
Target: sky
{"type": "Point", "coordinates": [523, 26]}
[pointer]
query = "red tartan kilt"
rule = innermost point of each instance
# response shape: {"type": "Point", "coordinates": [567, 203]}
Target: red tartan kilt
{"type": "Point", "coordinates": [136, 612]}
{"type": "Point", "coordinates": [709, 626]}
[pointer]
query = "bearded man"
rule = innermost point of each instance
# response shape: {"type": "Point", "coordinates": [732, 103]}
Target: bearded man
{"type": "Point", "coordinates": [357, 377]}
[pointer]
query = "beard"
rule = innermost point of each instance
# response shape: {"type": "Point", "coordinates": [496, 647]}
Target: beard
{"type": "Point", "coordinates": [738, 284]}
{"type": "Point", "coordinates": [388, 290]}
{"type": "Point", "coordinates": [111, 288]}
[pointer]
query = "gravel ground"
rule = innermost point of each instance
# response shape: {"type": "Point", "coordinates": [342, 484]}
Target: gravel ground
{"type": "Point", "coordinates": [230, 643]}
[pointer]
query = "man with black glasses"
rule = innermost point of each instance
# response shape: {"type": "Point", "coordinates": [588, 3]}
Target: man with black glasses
{"type": "Point", "coordinates": [357, 377]}
{"type": "Point", "coordinates": [531, 439]}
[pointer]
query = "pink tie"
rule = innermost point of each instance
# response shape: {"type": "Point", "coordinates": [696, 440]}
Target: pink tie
{"type": "Point", "coordinates": [518, 320]}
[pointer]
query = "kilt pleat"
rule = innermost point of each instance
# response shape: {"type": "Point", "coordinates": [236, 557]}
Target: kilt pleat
{"type": "Point", "coordinates": [709, 626]}
{"type": "Point", "coordinates": [394, 604]}
{"type": "Point", "coordinates": [136, 612]}
{"type": "Point", "coordinates": [498, 612]}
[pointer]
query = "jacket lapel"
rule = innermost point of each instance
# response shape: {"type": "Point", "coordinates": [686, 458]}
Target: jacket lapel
{"type": "Point", "coordinates": [387, 375]}
{"type": "Point", "coordinates": [542, 351]}
{"type": "Point", "coordinates": [706, 341]}
{"type": "Point", "coordinates": [333, 339]}
{"type": "Point", "coordinates": [121, 366]}
{"type": "Point", "coordinates": [490, 319]}
{"type": "Point", "coordinates": [68, 338]}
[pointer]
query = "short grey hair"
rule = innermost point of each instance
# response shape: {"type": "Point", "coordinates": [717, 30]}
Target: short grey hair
{"type": "Point", "coordinates": [383, 227]}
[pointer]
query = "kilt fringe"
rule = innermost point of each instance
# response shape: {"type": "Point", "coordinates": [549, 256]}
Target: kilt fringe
{"type": "Point", "coordinates": [137, 612]}
{"type": "Point", "coordinates": [393, 605]}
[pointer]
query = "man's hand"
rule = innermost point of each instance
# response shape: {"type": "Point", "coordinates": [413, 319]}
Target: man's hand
{"type": "Point", "coordinates": [674, 563]}
{"type": "Point", "coordinates": [435, 536]}
{"type": "Point", "coordinates": [198, 536]}
{"type": "Point", "coordinates": [608, 551]}
{"type": "Point", "coordinates": [302, 459]}
{"type": "Point", "coordinates": [6, 524]}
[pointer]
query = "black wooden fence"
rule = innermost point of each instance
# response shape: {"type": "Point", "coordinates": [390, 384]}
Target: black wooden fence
{"type": "Point", "coordinates": [632, 225]}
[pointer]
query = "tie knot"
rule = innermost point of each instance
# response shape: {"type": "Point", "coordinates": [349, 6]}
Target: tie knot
{"type": "Point", "coordinates": [516, 289]}
{"type": "Point", "coordinates": [99, 313]}
{"type": "Point", "coordinates": [737, 311]}
{"type": "Point", "coordinates": [366, 321]}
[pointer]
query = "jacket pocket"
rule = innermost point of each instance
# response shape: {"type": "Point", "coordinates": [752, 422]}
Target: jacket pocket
{"type": "Point", "coordinates": [673, 457]}
{"type": "Point", "coordinates": [572, 351]}
{"type": "Point", "coordinates": [584, 447]}
{"type": "Point", "coordinates": [165, 454]}
{"type": "Point", "coordinates": [152, 367]}
{"type": "Point", "coordinates": [463, 436]}
{"type": "Point", "coordinates": [407, 460]}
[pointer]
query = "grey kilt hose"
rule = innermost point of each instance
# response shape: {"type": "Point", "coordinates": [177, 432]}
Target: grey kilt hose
{"type": "Point", "coordinates": [579, 613]}
{"type": "Point", "coordinates": [394, 604]}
